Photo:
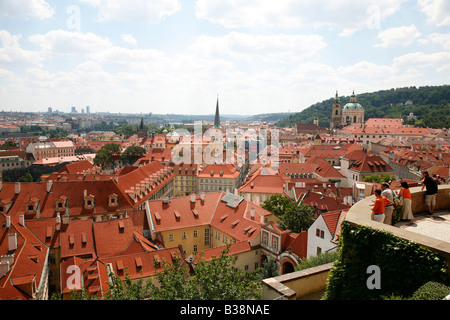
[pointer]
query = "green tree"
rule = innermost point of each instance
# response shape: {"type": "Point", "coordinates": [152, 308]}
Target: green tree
{"type": "Point", "coordinates": [132, 154]}
{"type": "Point", "coordinates": [104, 156]}
{"type": "Point", "coordinates": [293, 217]}
{"type": "Point", "coordinates": [215, 279]}
{"type": "Point", "coordinates": [26, 178]}
{"type": "Point", "coordinates": [278, 204]}
{"type": "Point", "coordinates": [10, 143]}
{"type": "Point", "coordinates": [269, 269]}
{"type": "Point", "coordinates": [299, 219]}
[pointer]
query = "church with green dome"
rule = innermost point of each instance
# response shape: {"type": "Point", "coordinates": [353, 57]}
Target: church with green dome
{"type": "Point", "coordinates": [351, 114]}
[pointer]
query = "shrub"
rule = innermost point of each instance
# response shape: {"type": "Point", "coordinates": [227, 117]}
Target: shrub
{"type": "Point", "coordinates": [431, 291]}
{"type": "Point", "coordinates": [403, 265]}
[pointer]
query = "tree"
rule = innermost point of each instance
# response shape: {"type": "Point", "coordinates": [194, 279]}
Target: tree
{"type": "Point", "coordinates": [26, 178]}
{"type": "Point", "coordinates": [278, 204]}
{"type": "Point", "coordinates": [292, 216]}
{"type": "Point", "coordinates": [269, 269]}
{"type": "Point", "coordinates": [298, 218]}
{"type": "Point", "coordinates": [104, 156]}
{"type": "Point", "coordinates": [215, 279]}
{"type": "Point", "coordinates": [132, 154]}
{"type": "Point", "coordinates": [10, 143]}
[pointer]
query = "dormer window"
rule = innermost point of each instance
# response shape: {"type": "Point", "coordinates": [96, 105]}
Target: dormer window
{"type": "Point", "coordinates": [89, 201]}
{"type": "Point", "coordinates": [5, 205]}
{"type": "Point", "coordinates": [32, 206]}
{"type": "Point", "coordinates": [113, 200]}
{"type": "Point", "coordinates": [61, 204]}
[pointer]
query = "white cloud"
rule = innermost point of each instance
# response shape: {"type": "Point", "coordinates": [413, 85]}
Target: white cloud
{"type": "Point", "coordinates": [437, 11]}
{"type": "Point", "coordinates": [442, 39]}
{"type": "Point", "coordinates": [263, 48]}
{"type": "Point", "coordinates": [347, 15]}
{"type": "Point", "coordinates": [422, 60]}
{"type": "Point", "coordinates": [398, 36]}
{"type": "Point", "coordinates": [34, 8]}
{"type": "Point", "coordinates": [128, 38]}
{"type": "Point", "coordinates": [11, 51]}
{"type": "Point", "coordinates": [62, 42]}
{"type": "Point", "coordinates": [140, 11]}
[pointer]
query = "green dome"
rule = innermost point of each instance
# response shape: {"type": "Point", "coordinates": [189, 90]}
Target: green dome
{"type": "Point", "coordinates": [353, 106]}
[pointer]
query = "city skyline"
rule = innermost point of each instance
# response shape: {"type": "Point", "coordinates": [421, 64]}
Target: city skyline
{"type": "Point", "coordinates": [170, 56]}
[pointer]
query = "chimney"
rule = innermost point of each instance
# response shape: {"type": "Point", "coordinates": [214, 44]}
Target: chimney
{"type": "Point", "coordinates": [17, 188]}
{"type": "Point", "coordinates": [49, 186]}
{"type": "Point", "coordinates": [58, 222]}
{"type": "Point", "coordinates": [12, 241]}
{"type": "Point", "coordinates": [261, 218]}
{"type": "Point", "coordinates": [236, 202]}
{"type": "Point", "coordinates": [202, 196]}
{"type": "Point", "coordinates": [4, 268]}
{"type": "Point", "coordinates": [85, 193]}
{"type": "Point", "coordinates": [252, 213]}
{"type": "Point", "coordinates": [8, 221]}
{"type": "Point", "coordinates": [192, 197]}
{"type": "Point", "coordinates": [22, 220]}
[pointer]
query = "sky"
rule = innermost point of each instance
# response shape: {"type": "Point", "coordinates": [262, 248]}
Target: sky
{"type": "Point", "coordinates": [179, 56]}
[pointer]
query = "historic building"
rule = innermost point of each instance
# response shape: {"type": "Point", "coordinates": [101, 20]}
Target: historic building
{"type": "Point", "coordinates": [351, 114]}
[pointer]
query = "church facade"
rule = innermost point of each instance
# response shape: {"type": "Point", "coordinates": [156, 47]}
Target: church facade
{"type": "Point", "coordinates": [351, 114]}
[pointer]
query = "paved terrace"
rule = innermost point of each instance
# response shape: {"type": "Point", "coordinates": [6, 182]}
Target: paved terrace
{"type": "Point", "coordinates": [432, 231]}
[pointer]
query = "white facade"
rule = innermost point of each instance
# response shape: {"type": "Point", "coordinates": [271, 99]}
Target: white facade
{"type": "Point", "coordinates": [319, 238]}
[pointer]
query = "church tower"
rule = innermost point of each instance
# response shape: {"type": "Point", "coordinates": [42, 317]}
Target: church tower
{"type": "Point", "coordinates": [353, 113]}
{"type": "Point", "coordinates": [217, 117]}
{"type": "Point", "coordinates": [142, 131]}
{"type": "Point", "coordinates": [335, 122]}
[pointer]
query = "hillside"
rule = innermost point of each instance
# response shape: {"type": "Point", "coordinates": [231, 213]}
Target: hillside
{"type": "Point", "coordinates": [430, 104]}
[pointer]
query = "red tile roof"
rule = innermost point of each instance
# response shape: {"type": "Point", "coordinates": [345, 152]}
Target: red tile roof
{"type": "Point", "coordinates": [142, 265]}
{"type": "Point", "coordinates": [264, 184]}
{"type": "Point", "coordinates": [77, 239]}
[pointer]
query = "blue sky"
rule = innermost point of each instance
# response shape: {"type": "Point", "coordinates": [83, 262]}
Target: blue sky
{"type": "Point", "coordinates": [175, 56]}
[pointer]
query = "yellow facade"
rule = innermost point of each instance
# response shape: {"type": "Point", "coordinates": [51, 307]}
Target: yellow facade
{"type": "Point", "coordinates": [193, 239]}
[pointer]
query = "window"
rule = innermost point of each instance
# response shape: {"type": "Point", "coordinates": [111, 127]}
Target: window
{"type": "Point", "coordinates": [275, 243]}
{"type": "Point", "coordinates": [195, 248]}
{"type": "Point", "coordinates": [170, 237]}
{"type": "Point", "coordinates": [206, 236]}
{"type": "Point", "coordinates": [320, 233]}
{"type": "Point", "coordinates": [265, 238]}
{"type": "Point", "coordinates": [319, 250]}
{"type": "Point", "coordinates": [183, 235]}
{"type": "Point", "coordinates": [195, 233]}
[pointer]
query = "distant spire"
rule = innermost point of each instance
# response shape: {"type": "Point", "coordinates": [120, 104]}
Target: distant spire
{"type": "Point", "coordinates": [336, 99]}
{"type": "Point", "coordinates": [353, 97]}
{"type": "Point", "coordinates": [217, 117]}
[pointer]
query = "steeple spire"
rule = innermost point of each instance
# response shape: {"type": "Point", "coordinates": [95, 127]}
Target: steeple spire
{"type": "Point", "coordinates": [217, 117]}
{"type": "Point", "coordinates": [336, 99]}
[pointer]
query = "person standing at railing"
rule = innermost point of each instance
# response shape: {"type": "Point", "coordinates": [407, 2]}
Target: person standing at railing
{"type": "Point", "coordinates": [430, 194]}
{"type": "Point", "coordinates": [388, 193]}
{"type": "Point", "coordinates": [405, 195]}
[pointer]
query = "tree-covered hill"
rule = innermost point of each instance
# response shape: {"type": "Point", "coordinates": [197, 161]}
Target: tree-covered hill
{"type": "Point", "coordinates": [430, 105]}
